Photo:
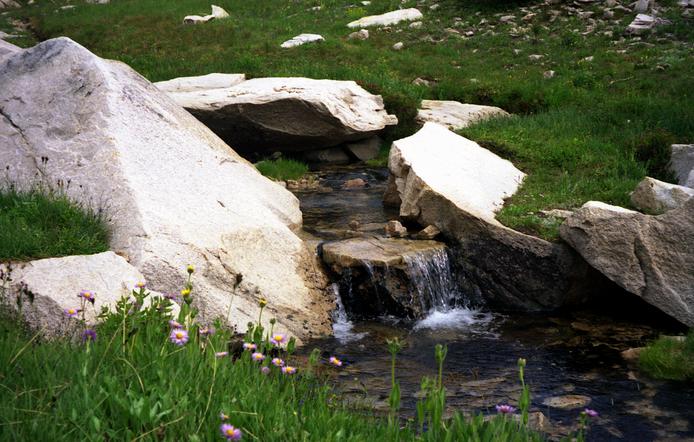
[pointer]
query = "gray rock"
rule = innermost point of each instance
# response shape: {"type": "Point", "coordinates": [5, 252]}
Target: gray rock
{"type": "Point", "coordinates": [445, 180]}
{"type": "Point", "coordinates": [649, 256]}
{"type": "Point", "coordinates": [359, 35]}
{"type": "Point", "coordinates": [567, 402]}
{"type": "Point", "coordinates": [681, 163]}
{"type": "Point", "coordinates": [7, 49]}
{"type": "Point", "coordinates": [7, 4]}
{"type": "Point", "coordinates": [387, 19]}
{"type": "Point", "coordinates": [365, 150]}
{"type": "Point", "coordinates": [429, 232]}
{"type": "Point", "coordinates": [302, 39]}
{"type": "Point", "coordinates": [656, 197]}
{"type": "Point", "coordinates": [333, 155]}
{"type": "Point", "coordinates": [641, 6]}
{"type": "Point", "coordinates": [172, 192]}
{"type": "Point", "coordinates": [395, 229]}
{"type": "Point", "coordinates": [455, 115]}
{"type": "Point", "coordinates": [289, 114]}
{"type": "Point", "coordinates": [200, 83]}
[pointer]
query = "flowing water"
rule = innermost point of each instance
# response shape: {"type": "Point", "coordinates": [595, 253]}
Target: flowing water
{"type": "Point", "coordinates": [574, 357]}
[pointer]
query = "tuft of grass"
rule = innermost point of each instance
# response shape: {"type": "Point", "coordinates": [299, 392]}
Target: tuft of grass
{"type": "Point", "coordinates": [669, 358]}
{"type": "Point", "coordinates": [282, 169]}
{"type": "Point", "coordinates": [37, 224]}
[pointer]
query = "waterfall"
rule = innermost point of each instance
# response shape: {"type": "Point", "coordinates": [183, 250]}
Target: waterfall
{"type": "Point", "coordinates": [342, 326]}
{"type": "Point", "coordinates": [433, 280]}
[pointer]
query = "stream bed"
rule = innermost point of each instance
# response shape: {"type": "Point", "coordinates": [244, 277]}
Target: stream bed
{"type": "Point", "coordinates": [573, 359]}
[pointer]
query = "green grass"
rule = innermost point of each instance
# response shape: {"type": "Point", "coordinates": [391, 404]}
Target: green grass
{"type": "Point", "coordinates": [282, 169]}
{"type": "Point", "coordinates": [133, 383]}
{"type": "Point", "coordinates": [580, 136]}
{"type": "Point", "coordinates": [668, 358]}
{"type": "Point", "coordinates": [37, 224]}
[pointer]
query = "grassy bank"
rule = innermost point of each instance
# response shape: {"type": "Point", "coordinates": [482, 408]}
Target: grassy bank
{"type": "Point", "coordinates": [590, 132]}
{"type": "Point", "coordinates": [669, 358]}
{"type": "Point", "coordinates": [142, 376]}
{"type": "Point", "coordinates": [43, 224]}
{"type": "Point", "coordinates": [282, 169]}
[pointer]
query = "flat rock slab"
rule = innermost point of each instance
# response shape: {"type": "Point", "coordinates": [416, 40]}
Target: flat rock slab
{"type": "Point", "coordinates": [379, 252]}
{"type": "Point", "coordinates": [649, 256]}
{"type": "Point", "coordinates": [291, 114]}
{"type": "Point", "coordinates": [455, 115]}
{"type": "Point", "coordinates": [55, 283]}
{"type": "Point", "coordinates": [200, 83]}
{"type": "Point", "coordinates": [172, 192]}
{"type": "Point", "coordinates": [302, 39]}
{"type": "Point", "coordinates": [387, 19]}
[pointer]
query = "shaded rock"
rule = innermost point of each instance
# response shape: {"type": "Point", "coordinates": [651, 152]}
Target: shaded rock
{"type": "Point", "coordinates": [354, 183]}
{"type": "Point", "coordinates": [199, 83]}
{"type": "Point", "coordinates": [292, 114]}
{"type": "Point", "coordinates": [387, 19]}
{"type": "Point", "coordinates": [548, 74]}
{"type": "Point", "coordinates": [567, 402]}
{"type": "Point", "coordinates": [170, 190]}
{"type": "Point", "coordinates": [632, 355]}
{"type": "Point", "coordinates": [656, 197]}
{"type": "Point", "coordinates": [681, 163]}
{"type": "Point", "coordinates": [649, 256]}
{"type": "Point", "coordinates": [55, 283]}
{"type": "Point", "coordinates": [447, 181]}
{"type": "Point", "coordinates": [429, 232]}
{"type": "Point", "coordinates": [641, 6]}
{"type": "Point", "coordinates": [455, 115]}
{"type": "Point", "coordinates": [302, 39]}
{"type": "Point", "coordinates": [641, 24]}
{"type": "Point", "coordinates": [333, 155]}
{"type": "Point", "coordinates": [359, 35]}
{"type": "Point", "coordinates": [395, 229]}
{"type": "Point", "coordinates": [378, 275]}
{"type": "Point", "coordinates": [365, 150]}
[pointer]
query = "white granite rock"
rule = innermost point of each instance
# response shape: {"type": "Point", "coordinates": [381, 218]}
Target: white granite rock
{"type": "Point", "coordinates": [202, 82]}
{"type": "Point", "coordinates": [387, 19]}
{"type": "Point", "coordinates": [655, 197]}
{"type": "Point", "coordinates": [302, 39]}
{"type": "Point", "coordinates": [455, 115]}
{"type": "Point", "coordinates": [682, 163]}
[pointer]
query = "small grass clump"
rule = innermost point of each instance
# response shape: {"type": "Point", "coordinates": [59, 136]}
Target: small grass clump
{"type": "Point", "coordinates": [669, 358]}
{"type": "Point", "coordinates": [37, 224]}
{"type": "Point", "coordinates": [146, 375]}
{"type": "Point", "coordinates": [282, 169]}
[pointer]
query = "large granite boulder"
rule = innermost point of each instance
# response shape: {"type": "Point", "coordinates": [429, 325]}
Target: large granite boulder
{"type": "Point", "coordinates": [455, 115]}
{"type": "Point", "coordinates": [386, 276]}
{"type": "Point", "coordinates": [7, 49]}
{"type": "Point", "coordinates": [649, 256]}
{"type": "Point", "coordinates": [387, 19]}
{"type": "Point", "coordinates": [682, 163]}
{"type": "Point", "coordinates": [442, 179]}
{"type": "Point", "coordinates": [655, 197]}
{"type": "Point", "coordinates": [290, 114]}
{"type": "Point", "coordinates": [200, 83]}
{"type": "Point", "coordinates": [171, 191]}
{"type": "Point", "coordinates": [47, 287]}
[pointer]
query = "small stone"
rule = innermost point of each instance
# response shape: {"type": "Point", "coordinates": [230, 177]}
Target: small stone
{"type": "Point", "coordinates": [556, 213]}
{"type": "Point", "coordinates": [535, 57]}
{"type": "Point", "coordinates": [588, 59]}
{"type": "Point", "coordinates": [416, 25]}
{"type": "Point", "coordinates": [567, 402]}
{"type": "Point", "coordinates": [395, 229]}
{"type": "Point", "coordinates": [355, 183]}
{"type": "Point", "coordinates": [641, 6]}
{"type": "Point", "coordinates": [507, 18]}
{"type": "Point", "coordinates": [302, 39]}
{"type": "Point", "coordinates": [528, 17]}
{"type": "Point", "coordinates": [398, 46]}
{"type": "Point", "coordinates": [608, 14]}
{"type": "Point", "coordinates": [354, 224]}
{"type": "Point", "coordinates": [548, 74]}
{"type": "Point", "coordinates": [429, 232]}
{"type": "Point", "coordinates": [434, 7]}
{"type": "Point", "coordinates": [469, 33]}
{"type": "Point", "coordinates": [359, 35]}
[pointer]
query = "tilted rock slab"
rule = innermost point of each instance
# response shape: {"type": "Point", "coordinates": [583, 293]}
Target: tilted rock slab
{"type": "Point", "coordinates": [442, 179]}
{"type": "Point", "coordinates": [200, 83]}
{"type": "Point", "coordinates": [172, 192]}
{"type": "Point", "coordinates": [387, 19]}
{"type": "Point", "coordinates": [54, 284]}
{"type": "Point", "coordinates": [649, 256]}
{"type": "Point", "coordinates": [293, 114]}
{"type": "Point", "coordinates": [655, 197]}
{"type": "Point", "coordinates": [455, 115]}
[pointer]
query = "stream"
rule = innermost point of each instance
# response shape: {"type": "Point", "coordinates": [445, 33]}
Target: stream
{"type": "Point", "coordinates": [573, 359]}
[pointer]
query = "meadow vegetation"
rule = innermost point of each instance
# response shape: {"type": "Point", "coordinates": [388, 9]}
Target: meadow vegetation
{"type": "Point", "coordinates": [589, 133]}
{"type": "Point", "coordinates": [282, 169]}
{"type": "Point", "coordinates": [41, 224]}
{"type": "Point", "coordinates": [669, 358]}
{"type": "Point", "coordinates": [143, 375]}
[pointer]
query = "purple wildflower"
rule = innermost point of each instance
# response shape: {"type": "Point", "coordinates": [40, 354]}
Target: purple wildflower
{"type": "Point", "coordinates": [223, 416]}
{"type": "Point", "coordinates": [89, 335]}
{"type": "Point", "coordinates": [278, 339]}
{"type": "Point", "coordinates": [334, 361]}
{"type": "Point", "coordinates": [87, 295]}
{"type": "Point", "coordinates": [289, 370]}
{"type": "Point", "coordinates": [140, 285]}
{"type": "Point", "coordinates": [258, 357]}
{"type": "Point", "coordinates": [265, 369]}
{"type": "Point", "coordinates": [175, 324]}
{"type": "Point", "coordinates": [221, 354]}
{"type": "Point", "coordinates": [277, 362]}
{"type": "Point", "coordinates": [249, 346]}
{"type": "Point", "coordinates": [206, 331]}
{"type": "Point", "coordinates": [505, 409]}
{"type": "Point", "coordinates": [178, 336]}
{"type": "Point", "coordinates": [71, 312]}
{"type": "Point", "coordinates": [230, 432]}
{"type": "Point", "coordinates": [591, 413]}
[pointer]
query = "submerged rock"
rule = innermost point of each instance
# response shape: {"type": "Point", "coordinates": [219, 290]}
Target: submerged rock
{"type": "Point", "coordinates": [387, 19]}
{"type": "Point", "coordinates": [291, 114]}
{"type": "Point", "coordinates": [170, 190]}
{"type": "Point", "coordinates": [567, 402]}
{"type": "Point", "coordinates": [382, 276]}
{"type": "Point", "coordinates": [455, 115]}
{"type": "Point", "coordinates": [649, 256]}
{"type": "Point", "coordinates": [442, 179]}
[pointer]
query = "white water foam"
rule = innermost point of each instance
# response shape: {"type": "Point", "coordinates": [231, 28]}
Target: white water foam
{"type": "Point", "coordinates": [455, 319]}
{"type": "Point", "coordinates": [343, 329]}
